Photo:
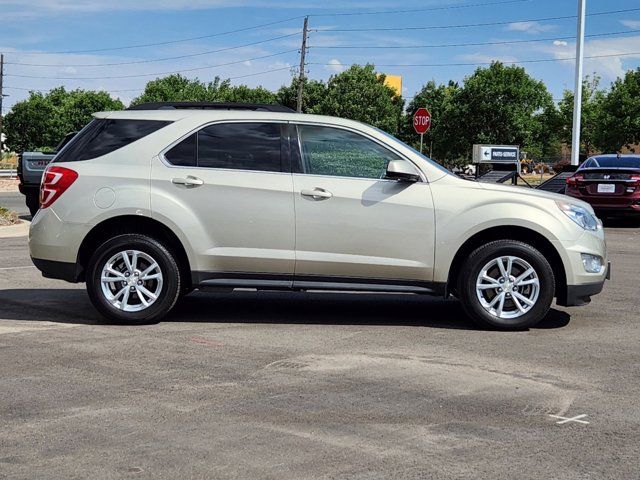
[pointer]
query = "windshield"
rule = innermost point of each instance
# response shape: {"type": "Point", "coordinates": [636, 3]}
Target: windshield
{"type": "Point", "coordinates": [422, 155]}
{"type": "Point", "coordinates": [613, 162]}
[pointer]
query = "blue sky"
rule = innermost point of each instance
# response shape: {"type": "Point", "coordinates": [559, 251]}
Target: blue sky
{"type": "Point", "coordinates": [45, 31]}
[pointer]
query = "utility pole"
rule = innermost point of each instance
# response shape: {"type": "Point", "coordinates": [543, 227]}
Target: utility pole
{"type": "Point", "coordinates": [303, 52]}
{"type": "Point", "coordinates": [577, 94]}
{"type": "Point", "coordinates": [1, 95]}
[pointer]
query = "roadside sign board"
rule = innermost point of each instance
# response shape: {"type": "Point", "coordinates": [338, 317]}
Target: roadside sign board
{"type": "Point", "coordinates": [422, 121]}
{"type": "Point", "coordinates": [496, 154]}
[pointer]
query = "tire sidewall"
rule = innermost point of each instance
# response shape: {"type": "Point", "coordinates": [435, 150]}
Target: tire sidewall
{"type": "Point", "coordinates": [171, 278]}
{"type": "Point", "coordinates": [480, 257]}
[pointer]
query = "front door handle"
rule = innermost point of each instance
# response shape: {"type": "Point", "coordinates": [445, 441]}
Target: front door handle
{"type": "Point", "coordinates": [190, 181]}
{"type": "Point", "coordinates": [317, 193]}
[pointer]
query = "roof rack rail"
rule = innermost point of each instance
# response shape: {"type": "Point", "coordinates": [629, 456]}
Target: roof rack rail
{"type": "Point", "coordinates": [261, 107]}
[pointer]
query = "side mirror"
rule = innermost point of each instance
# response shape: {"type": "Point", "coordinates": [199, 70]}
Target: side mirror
{"type": "Point", "coordinates": [402, 171]}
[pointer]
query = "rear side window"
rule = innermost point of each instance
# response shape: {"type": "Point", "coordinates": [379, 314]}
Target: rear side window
{"type": "Point", "coordinates": [238, 146]}
{"type": "Point", "coordinates": [104, 136]}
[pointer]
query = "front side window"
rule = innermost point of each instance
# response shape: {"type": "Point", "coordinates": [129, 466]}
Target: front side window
{"type": "Point", "coordinates": [104, 135]}
{"type": "Point", "coordinates": [341, 153]}
{"type": "Point", "coordinates": [238, 146]}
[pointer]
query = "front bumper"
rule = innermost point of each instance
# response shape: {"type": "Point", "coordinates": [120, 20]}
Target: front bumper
{"type": "Point", "coordinates": [579, 295]}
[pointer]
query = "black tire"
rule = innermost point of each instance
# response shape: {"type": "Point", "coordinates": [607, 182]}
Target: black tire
{"type": "Point", "coordinates": [169, 291]}
{"type": "Point", "coordinates": [33, 203]}
{"type": "Point", "coordinates": [466, 285]}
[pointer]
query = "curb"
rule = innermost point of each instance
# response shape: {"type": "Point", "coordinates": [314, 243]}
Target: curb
{"type": "Point", "coordinates": [19, 230]}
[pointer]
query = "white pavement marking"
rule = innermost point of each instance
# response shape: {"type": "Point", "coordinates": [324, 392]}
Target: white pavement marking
{"type": "Point", "coordinates": [570, 419]}
{"type": "Point", "coordinates": [17, 268]}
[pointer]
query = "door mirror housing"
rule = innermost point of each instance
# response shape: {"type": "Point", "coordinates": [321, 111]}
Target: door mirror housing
{"type": "Point", "coordinates": [402, 171]}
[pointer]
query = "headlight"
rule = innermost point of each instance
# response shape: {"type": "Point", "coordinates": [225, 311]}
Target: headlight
{"type": "Point", "coordinates": [580, 215]}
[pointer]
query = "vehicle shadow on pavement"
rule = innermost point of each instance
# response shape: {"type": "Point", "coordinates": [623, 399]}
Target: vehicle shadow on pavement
{"type": "Point", "coordinates": [73, 306]}
{"type": "Point", "coordinates": [621, 222]}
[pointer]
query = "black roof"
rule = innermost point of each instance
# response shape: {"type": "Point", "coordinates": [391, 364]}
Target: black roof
{"type": "Point", "coordinates": [261, 107]}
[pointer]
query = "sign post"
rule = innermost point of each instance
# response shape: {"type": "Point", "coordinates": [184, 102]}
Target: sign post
{"type": "Point", "coordinates": [421, 123]}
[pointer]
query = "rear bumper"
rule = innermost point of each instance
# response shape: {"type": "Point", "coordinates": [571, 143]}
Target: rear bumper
{"type": "Point", "coordinates": [579, 295]}
{"type": "Point", "coordinates": [29, 189]}
{"type": "Point", "coordinates": [58, 270]}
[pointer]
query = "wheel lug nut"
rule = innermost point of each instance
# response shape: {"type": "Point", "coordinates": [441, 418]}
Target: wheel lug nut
{"type": "Point", "coordinates": [500, 289]}
{"type": "Point", "coordinates": [139, 282]}
{"type": "Point", "coordinates": [126, 274]}
{"type": "Point", "coordinates": [132, 289]}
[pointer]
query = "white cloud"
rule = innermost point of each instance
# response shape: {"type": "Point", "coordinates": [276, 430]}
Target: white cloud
{"type": "Point", "coordinates": [609, 64]}
{"type": "Point", "coordinates": [560, 43]}
{"type": "Point", "coordinates": [529, 27]}
{"type": "Point", "coordinates": [631, 23]}
{"type": "Point", "coordinates": [335, 65]}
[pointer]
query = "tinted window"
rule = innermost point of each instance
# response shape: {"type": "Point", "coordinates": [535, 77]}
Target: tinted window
{"type": "Point", "coordinates": [184, 154]}
{"type": "Point", "coordinates": [241, 146]}
{"type": "Point", "coordinates": [104, 136]}
{"type": "Point", "coordinates": [614, 162]}
{"type": "Point", "coordinates": [336, 152]}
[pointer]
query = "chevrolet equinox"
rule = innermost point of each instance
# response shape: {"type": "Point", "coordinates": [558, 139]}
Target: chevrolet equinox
{"type": "Point", "coordinates": [147, 204]}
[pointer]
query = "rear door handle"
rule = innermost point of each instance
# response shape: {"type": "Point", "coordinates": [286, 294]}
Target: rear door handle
{"type": "Point", "coordinates": [317, 193]}
{"type": "Point", "coordinates": [190, 181]}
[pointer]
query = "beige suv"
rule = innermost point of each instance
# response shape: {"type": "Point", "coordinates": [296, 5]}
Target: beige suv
{"type": "Point", "coordinates": [147, 204]}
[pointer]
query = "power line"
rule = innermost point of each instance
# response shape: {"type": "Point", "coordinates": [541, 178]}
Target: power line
{"type": "Point", "coordinates": [417, 10]}
{"type": "Point", "coordinates": [472, 44]}
{"type": "Point", "coordinates": [473, 64]}
{"type": "Point", "coordinates": [168, 42]}
{"type": "Point", "coordinates": [225, 49]}
{"type": "Point", "coordinates": [155, 74]}
{"type": "Point", "coordinates": [263, 72]}
{"type": "Point", "coordinates": [469, 25]}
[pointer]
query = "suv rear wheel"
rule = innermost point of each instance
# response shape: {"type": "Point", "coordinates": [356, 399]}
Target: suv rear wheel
{"type": "Point", "coordinates": [506, 284]}
{"type": "Point", "coordinates": [133, 279]}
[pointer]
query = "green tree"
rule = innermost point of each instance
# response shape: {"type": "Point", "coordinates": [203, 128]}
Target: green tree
{"type": "Point", "coordinates": [591, 121]}
{"type": "Point", "coordinates": [620, 120]}
{"type": "Point", "coordinates": [500, 105]}
{"type": "Point", "coordinates": [177, 88]}
{"type": "Point", "coordinates": [359, 94]}
{"type": "Point", "coordinates": [438, 99]}
{"type": "Point", "coordinates": [313, 93]}
{"type": "Point", "coordinates": [42, 120]}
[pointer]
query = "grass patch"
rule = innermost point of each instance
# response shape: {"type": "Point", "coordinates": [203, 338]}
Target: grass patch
{"type": "Point", "coordinates": [8, 217]}
{"type": "Point", "coordinates": [8, 162]}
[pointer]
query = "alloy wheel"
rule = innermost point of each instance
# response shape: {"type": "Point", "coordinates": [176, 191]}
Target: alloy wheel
{"type": "Point", "coordinates": [507, 287]}
{"type": "Point", "coordinates": [131, 280]}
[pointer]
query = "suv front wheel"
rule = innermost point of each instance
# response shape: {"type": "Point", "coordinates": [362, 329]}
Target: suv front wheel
{"type": "Point", "coordinates": [506, 284]}
{"type": "Point", "coordinates": [133, 279]}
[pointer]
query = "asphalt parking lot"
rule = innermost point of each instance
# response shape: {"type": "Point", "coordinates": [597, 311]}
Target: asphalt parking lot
{"type": "Point", "coordinates": [293, 386]}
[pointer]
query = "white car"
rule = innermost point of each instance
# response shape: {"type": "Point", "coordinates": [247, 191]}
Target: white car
{"type": "Point", "coordinates": [147, 204]}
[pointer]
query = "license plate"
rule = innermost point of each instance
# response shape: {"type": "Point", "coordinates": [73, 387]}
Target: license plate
{"type": "Point", "coordinates": [606, 188]}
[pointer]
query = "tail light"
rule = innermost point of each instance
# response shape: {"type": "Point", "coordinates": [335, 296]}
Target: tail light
{"type": "Point", "coordinates": [636, 179]}
{"type": "Point", "coordinates": [55, 181]}
{"type": "Point", "coordinates": [574, 180]}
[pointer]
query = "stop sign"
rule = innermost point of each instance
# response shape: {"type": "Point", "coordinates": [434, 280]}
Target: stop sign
{"type": "Point", "coordinates": [422, 121]}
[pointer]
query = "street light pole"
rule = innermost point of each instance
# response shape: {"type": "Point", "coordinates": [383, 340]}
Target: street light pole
{"type": "Point", "coordinates": [577, 94]}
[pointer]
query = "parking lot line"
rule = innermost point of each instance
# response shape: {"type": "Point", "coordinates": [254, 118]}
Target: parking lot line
{"type": "Point", "coordinates": [576, 419]}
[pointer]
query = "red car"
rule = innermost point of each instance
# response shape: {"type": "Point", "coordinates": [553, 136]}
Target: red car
{"type": "Point", "coordinates": [610, 183]}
